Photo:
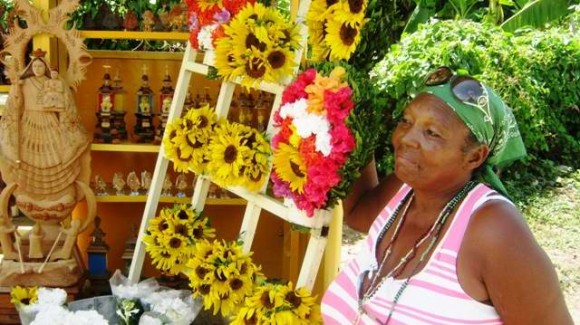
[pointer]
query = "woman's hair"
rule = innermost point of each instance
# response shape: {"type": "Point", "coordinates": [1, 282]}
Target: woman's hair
{"type": "Point", "coordinates": [28, 70]}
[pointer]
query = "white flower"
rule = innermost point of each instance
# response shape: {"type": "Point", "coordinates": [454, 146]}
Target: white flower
{"type": "Point", "coordinates": [51, 296]}
{"type": "Point", "coordinates": [295, 109]}
{"type": "Point", "coordinates": [204, 37]}
{"type": "Point", "coordinates": [323, 143]}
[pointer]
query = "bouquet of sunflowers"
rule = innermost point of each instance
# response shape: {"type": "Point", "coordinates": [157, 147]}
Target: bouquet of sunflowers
{"type": "Point", "coordinates": [222, 275]}
{"type": "Point", "coordinates": [206, 20]}
{"type": "Point", "coordinates": [334, 28]}
{"type": "Point", "coordinates": [276, 303]}
{"type": "Point", "coordinates": [259, 45]}
{"type": "Point", "coordinates": [232, 154]}
{"type": "Point", "coordinates": [172, 236]}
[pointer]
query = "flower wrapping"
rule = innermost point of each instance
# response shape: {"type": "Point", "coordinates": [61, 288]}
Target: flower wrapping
{"type": "Point", "coordinates": [313, 141]}
{"type": "Point", "coordinates": [205, 20]}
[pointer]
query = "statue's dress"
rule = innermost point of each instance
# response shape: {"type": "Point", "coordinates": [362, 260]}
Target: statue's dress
{"type": "Point", "coordinates": [41, 148]}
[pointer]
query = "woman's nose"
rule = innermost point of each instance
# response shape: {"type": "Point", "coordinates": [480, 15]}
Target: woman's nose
{"type": "Point", "coordinates": [411, 137]}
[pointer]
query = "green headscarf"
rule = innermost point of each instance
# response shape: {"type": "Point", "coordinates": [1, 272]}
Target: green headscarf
{"type": "Point", "coordinates": [492, 123]}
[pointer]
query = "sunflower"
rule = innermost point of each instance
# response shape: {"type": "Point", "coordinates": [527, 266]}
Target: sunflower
{"type": "Point", "coordinates": [342, 39]}
{"type": "Point", "coordinates": [281, 63]}
{"type": "Point", "coordinates": [351, 12]}
{"type": "Point", "coordinates": [22, 296]}
{"type": "Point", "coordinates": [225, 59]}
{"type": "Point", "coordinates": [161, 258]}
{"type": "Point", "coordinates": [228, 155]}
{"type": "Point", "coordinates": [290, 167]}
{"type": "Point", "coordinates": [301, 301]}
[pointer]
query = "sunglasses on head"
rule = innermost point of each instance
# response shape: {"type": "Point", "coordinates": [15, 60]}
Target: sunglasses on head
{"type": "Point", "coordinates": [464, 88]}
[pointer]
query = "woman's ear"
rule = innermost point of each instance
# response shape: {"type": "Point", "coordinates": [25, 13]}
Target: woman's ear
{"type": "Point", "coordinates": [476, 156]}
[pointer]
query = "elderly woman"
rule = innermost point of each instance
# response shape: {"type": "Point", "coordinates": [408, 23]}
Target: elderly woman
{"type": "Point", "coordinates": [445, 245]}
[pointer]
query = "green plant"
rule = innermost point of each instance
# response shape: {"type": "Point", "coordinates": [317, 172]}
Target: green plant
{"type": "Point", "coordinates": [527, 71]}
{"type": "Point", "coordinates": [385, 25]}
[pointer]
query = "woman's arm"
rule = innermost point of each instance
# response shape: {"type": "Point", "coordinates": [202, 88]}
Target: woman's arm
{"type": "Point", "coordinates": [367, 198]}
{"type": "Point", "coordinates": [520, 278]}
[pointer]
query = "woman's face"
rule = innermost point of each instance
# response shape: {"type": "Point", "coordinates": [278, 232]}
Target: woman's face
{"type": "Point", "coordinates": [429, 143]}
{"type": "Point", "coordinates": [38, 68]}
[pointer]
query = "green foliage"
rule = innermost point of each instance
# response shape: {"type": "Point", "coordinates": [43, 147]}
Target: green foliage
{"type": "Point", "coordinates": [536, 13]}
{"type": "Point", "coordinates": [387, 20]}
{"type": "Point", "coordinates": [536, 73]}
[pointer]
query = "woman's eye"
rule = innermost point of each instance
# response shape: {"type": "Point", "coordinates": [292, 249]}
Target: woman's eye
{"type": "Point", "coordinates": [432, 133]}
{"type": "Point", "coordinates": [404, 121]}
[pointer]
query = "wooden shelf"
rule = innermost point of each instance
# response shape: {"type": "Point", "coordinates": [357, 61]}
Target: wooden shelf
{"type": "Point", "coordinates": [166, 199]}
{"type": "Point", "coordinates": [4, 88]}
{"type": "Point", "coordinates": [136, 55]}
{"type": "Point", "coordinates": [162, 36]}
{"type": "Point", "coordinates": [125, 147]}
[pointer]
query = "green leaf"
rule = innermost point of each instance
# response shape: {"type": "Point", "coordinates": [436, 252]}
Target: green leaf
{"type": "Point", "coordinates": [421, 14]}
{"type": "Point", "coordinates": [536, 13]}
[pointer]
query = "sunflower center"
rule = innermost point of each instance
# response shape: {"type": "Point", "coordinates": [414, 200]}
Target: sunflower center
{"type": "Point", "coordinates": [165, 255]}
{"type": "Point", "coordinates": [173, 134]}
{"type": "Point", "coordinates": [178, 151]}
{"type": "Point", "coordinates": [236, 284]}
{"type": "Point", "coordinates": [175, 242]}
{"type": "Point", "coordinates": [230, 154]}
{"type": "Point", "coordinates": [188, 124]}
{"type": "Point", "coordinates": [347, 34]}
{"type": "Point", "coordinates": [251, 321]}
{"type": "Point", "coordinates": [256, 178]}
{"type": "Point", "coordinates": [255, 68]}
{"type": "Point", "coordinates": [182, 215]}
{"type": "Point", "coordinates": [163, 226]}
{"type": "Point", "coordinates": [330, 2]}
{"type": "Point", "coordinates": [220, 276]}
{"type": "Point", "coordinates": [204, 289]}
{"type": "Point", "coordinates": [252, 40]}
{"type": "Point", "coordinates": [25, 301]}
{"type": "Point", "coordinates": [293, 299]}
{"type": "Point", "coordinates": [296, 169]}
{"type": "Point", "coordinates": [200, 272]}
{"type": "Point", "coordinates": [277, 59]}
{"type": "Point", "coordinates": [202, 122]}
{"type": "Point", "coordinates": [198, 232]}
{"type": "Point", "coordinates": [265, 300]}
{"type": "Point", "coordinates": [197, 144]}
{"type": "Point", "coordinates": [181, 230]}
{"type": "Point", "coordinates": [244, 269]}
{"type": "Point", "coordinates": [355, 6]}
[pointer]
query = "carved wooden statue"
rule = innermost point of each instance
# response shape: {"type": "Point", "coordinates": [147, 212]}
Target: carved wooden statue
{"type": "Point", "coordinates": [44, 155]}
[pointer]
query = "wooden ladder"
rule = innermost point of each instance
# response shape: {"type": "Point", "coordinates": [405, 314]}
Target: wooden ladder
{"type": "Point", "coordinates": [256, 202]}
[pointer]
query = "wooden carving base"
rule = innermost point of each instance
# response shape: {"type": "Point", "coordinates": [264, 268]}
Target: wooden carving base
{"type": "Point", "coordinates": [64, 273]}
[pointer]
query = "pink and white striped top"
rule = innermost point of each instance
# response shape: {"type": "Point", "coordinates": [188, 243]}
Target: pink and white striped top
{"type": "Point", "coordinates": [433, 296]}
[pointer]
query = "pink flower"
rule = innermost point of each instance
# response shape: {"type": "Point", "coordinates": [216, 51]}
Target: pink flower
{"type": "Point", "coordinates": [343, 143]}
{"type": "Point", "coordinates": [296, 90]}
{"type": "Point", "coordinates": [338, 104]}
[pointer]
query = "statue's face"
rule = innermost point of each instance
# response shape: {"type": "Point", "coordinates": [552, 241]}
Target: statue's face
{"type": "Point", "coordinates": [38, 68]}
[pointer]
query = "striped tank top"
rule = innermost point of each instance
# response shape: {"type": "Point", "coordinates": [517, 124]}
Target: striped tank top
{"type": "Point", "coordinates": [433, 296]}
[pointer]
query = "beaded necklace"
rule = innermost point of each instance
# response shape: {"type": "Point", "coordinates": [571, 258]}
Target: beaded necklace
{"type": "Point", "coordinates": [434, 231]}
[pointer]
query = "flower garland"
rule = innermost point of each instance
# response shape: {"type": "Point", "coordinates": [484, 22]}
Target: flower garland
{"type": "Point", "coordinates": [232, 154]}
{"type": "Point", "coordinates": [334, 28]}
{"type": "Point", "coordinates": [259, 44]}
{"type": "Point", "coordinates": [171, 237]}
{"type": "Point", "coordinates": [222, 275]}
{"type": "Point", "coordinates": [279, 304]}
{"type": "Point", "coordinates": [206, 19]}
{"type": "Point", "coordinates": [313, 141]}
